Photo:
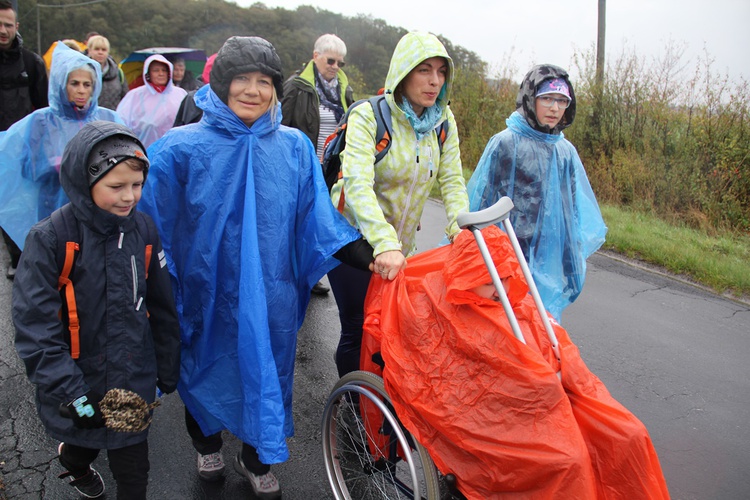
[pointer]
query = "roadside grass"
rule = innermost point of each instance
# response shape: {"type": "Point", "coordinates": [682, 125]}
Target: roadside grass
{"type": "Point", "coordinates": [720, 262]}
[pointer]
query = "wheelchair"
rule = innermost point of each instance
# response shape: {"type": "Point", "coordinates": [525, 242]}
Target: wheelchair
{"type": "Point", "coordinates": [368, 452]}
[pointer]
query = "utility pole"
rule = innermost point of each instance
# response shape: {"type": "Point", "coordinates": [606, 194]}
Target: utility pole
{"type": "Point", "coordinates": [599, 84]}
{"type": "Point", "coordinates": [600, 42]}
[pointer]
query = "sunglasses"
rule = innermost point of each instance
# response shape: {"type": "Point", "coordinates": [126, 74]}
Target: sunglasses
{"type": "Point", "coordinates": [331, 61]}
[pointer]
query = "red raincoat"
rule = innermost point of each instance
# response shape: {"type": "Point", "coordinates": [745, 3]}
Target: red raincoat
{"type": "Point", "coordinates": [490, 409]}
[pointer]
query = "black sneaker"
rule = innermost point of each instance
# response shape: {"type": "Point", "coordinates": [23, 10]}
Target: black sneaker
{"type": "Point", "coordinates": [90, 485]}
{"type": "Point", "coordinates": [11, 272]}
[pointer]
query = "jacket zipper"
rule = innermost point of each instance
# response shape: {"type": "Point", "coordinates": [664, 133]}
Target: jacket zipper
{"type": "Point", "coordinates": [135, 279]}
{"type": "Point", "coordinates": [407, 203]}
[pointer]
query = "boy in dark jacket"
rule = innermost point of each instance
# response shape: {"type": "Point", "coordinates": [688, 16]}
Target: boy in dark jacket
{"type": "Point", "coordinates": [119, 344]}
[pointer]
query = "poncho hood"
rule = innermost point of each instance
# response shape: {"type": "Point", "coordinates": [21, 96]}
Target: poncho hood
{"type": "Point", "coordinates": [74, 176]}
{"type": "Point", "coordinates": [525, 101]}
{"type": "Point", "coordinates": [245, 54]}
{"type": "Point", "coordinates": [65, 60]}
{"type": "Point", "coordinates": [412, 49]}
{"type": "Point", "coordinates": [217, 114]}
{"type": "Point", "coordinates": [147, 64]}
{"type": "Point", "coordinates": [465, 267]}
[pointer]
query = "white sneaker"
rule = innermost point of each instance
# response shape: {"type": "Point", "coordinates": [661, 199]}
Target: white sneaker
{"type": "Point", "coordinates": [265, 487]}
{"type": "Point", "coordinates": [211, 466]}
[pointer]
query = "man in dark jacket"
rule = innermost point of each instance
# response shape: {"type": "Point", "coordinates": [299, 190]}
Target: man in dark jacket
{"type": "Point", "coordinates": [120, 296]}
{"type": "Point", "coordinates": [317, 96]}
{"type": "Point", "coordinates": [23, 78]}
{"type": "Point", "coordinates": [23, 88]}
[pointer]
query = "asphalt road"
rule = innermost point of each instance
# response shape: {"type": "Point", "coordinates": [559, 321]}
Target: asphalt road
{"type": "Point", "coordinates": [673, 354]}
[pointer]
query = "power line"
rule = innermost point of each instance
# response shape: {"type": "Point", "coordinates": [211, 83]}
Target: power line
{"type": "Point", "coordinates": [70, 4]}
{"type": "Point", "coordinates": [55, 6]}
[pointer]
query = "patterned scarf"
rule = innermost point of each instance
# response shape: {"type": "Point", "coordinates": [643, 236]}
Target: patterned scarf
{"type": "Point", "coordinates": [329, 94]}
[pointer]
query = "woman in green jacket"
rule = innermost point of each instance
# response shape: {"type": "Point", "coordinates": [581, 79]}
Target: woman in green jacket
{"type": "Point", "coordinates": [385, 200]}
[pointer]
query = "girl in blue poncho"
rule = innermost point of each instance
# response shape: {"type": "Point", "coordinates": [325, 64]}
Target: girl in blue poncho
{"type": "Point", "coordinates": [248, 229]}
{"type": "Point", "coordinates": [556, 216]}
{"type": "Point", "coordinates": [31, 150]}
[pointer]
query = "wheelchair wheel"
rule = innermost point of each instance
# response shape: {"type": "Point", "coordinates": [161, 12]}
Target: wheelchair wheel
{"type": "Point", "coordinates": [368, 453]}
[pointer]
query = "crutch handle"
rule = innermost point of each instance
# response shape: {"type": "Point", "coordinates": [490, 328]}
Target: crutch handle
{"type": "Point", "coordinates": [487, 217]}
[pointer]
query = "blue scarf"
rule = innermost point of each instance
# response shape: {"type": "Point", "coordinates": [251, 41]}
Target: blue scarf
{"type": "Point", "coordinates": [430, 118]}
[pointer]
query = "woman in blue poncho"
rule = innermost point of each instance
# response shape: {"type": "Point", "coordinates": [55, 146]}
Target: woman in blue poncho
{"type": "Point", "coordinates": [248, 229]}
{"type": "Point", "coordinates": [556, 216]}
{"type": "Point", "coordinates": [31, 150]}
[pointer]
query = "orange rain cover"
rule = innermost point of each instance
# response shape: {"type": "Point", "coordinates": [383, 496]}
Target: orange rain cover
{"type": "Point", "coordinates": [490, 409]}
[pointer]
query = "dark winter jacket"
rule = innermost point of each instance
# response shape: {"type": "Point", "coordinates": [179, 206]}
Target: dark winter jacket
{"type": "Point", "coordinates": [114, 85]}
{"type": "Point", "coordinates": [188, 112]}
{"type": "Point", "coordinates": [23, 83]}
{"type": "Point", "coordinates": [300, 107]}
{"type": "Point", "coordinates": [189, 82]}
{"type": "Point", "coordinates": [121, 345]}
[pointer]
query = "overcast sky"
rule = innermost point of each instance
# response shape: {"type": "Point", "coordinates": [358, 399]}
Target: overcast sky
{"type": "Point", "coordinates": [521, 33]}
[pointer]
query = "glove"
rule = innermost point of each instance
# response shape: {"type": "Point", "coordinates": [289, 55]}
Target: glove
{"type": "Point", "coordinates": [85, 411]}
{"type": "Point", "coordinates": [166, 388]}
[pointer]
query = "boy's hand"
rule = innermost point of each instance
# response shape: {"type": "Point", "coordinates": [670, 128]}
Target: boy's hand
{"type": "Point", "coordinates": [166, 389]}
{"type": "Point", "coordinates": [85, 411]}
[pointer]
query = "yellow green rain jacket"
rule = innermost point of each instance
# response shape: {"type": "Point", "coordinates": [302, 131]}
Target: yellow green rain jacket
{"type": "Point", "coordinates": [385, 200]}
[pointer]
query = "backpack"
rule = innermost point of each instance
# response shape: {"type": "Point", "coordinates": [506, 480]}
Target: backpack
{"type": "Point", "coordinates": [66, 228]}
{"type": "Point", "coordinates": [336, 142]}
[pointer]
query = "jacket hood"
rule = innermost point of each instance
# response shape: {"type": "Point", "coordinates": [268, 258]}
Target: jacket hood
{"type": "Point", "coordinates": [245, 54]}
{"type": "Point", "coordinates": [74, 175]}
{"type": "Point", "coordinates": [64, 61]}
{"type": "Point", "coordinates": [206, 75]}
{"type": "Point", "coordinates": [412, 49]}
{"type": "Point", "coordinates": [113, 70]}
{"type": "Point", "coordinates": [525, 101]}
{"type": "Point", "coordinates": [465, 267]}
{"type": "Point", "coordinates": [147, 63]}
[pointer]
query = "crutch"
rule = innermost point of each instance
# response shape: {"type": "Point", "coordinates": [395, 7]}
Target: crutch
{"type": "Point", "coordinates": [500, 212]}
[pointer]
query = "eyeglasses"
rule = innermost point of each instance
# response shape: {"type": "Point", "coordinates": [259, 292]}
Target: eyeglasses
{"type": "Point", "coordinates": [547, 101]}
{"type": "Point", "coordinates": [331, 61]}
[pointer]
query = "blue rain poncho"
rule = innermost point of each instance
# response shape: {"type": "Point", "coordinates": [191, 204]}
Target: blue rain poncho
{"type": "Point", "coordinates": [248, 229]}
{"type": "Point", "coordinates": [556, 216]}
{"type": "Point", "coordinates": [31, 149]}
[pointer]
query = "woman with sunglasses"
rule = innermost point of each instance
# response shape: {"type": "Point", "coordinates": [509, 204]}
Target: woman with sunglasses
{"type": "Point", "coordinates": [316, 97]}
{"type": "Point", "coordinates": [385, 200]}
{"type": "Point", "coordinates": [556, 215]}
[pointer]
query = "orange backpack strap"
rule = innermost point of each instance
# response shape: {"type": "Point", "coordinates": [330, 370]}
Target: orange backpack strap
{"type": "Point", "coordinates": [66, 232]}
{"type": "Point", "coordinates": [71, 247]}
{"type": "Point", "coordinates": [149, 250]}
